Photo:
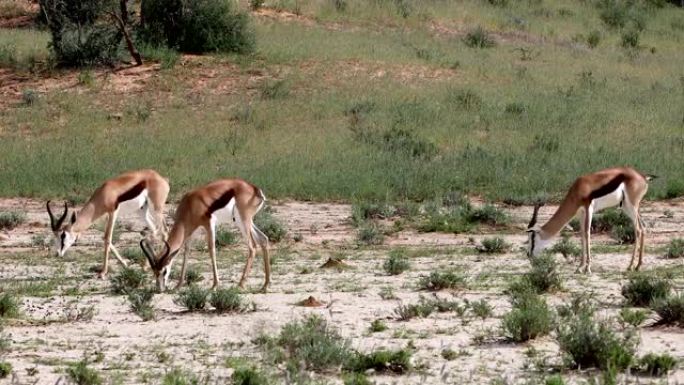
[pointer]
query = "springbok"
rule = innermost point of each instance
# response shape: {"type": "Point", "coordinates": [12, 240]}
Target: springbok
{"type": "Point", "coordinates": [142, 191]}
{"type": "Point", "coordinates": [591, 193]}
{"type": "Point", "coordinates": [218, 202]}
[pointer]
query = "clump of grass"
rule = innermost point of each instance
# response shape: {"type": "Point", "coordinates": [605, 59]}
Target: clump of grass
{"type": "Point", "coordinates": [675, 249]}
{"type": "Point", "coordinates": [127, 279]}
{"type": "Point", "coordinates": [479, 38]}
{"type": "Point", "coordinates": [193, 298]}
{"type": "Point", "coordinates": [496, 245]}
{"type": "Point", "coordinates": [9, 306]}
{"type": "Point", "coordinates": [397, 262]}
{"type": "Point", "coordinates": [633, 318]}
{"type": "Point", "coordinates": [398, 362]}
{"type": "Point", "coordinates": [615, 222]}
{"type": "Point", "coordinates": [466, 99]}
{"type": "Point", "coordinates": [590, 342]}
{"type": "Point", "coordinates": [179, 377]}
{"type": "Point", "coordinates": [449, 354]}
{"type": "Point", "coordinates": [439, 280]}
{"type": "Point", "coordinates": [193, 275]}
{"type": "Point", "coordinates": [544, 276]}
{"type": "Point", "coordinates": [272, 227]}
{"type": "Point", "coordinates": [249, 376]}
{"type": "Point", "coordinates": [488, 214]}
{"type": "Point", "coordinates": [5, 369]}
{"type": "Point", "coordinates": [644, 288]}
{"type": "Point", "coordinates": [450, 220]}
{"type": "Point", "coordinates": [530, 318]}
{"type": "Point", "coordinates": [377, 326]}
{"type": "Point", "coordinates": [140, 301]}
{"type": "Point", "coordinates": [670, 309]}
{"type": "Point", "coordinates": [134, 254]}
{"type": "Point", "coordinates": [657, 364]}
{"type": "Point", "coordinates": [421, 309]}
{"type": "Point", "coordinates": [275, 89]}
{"type": "Point", "coordinates": [81, 374]}
{"type": "Point", "coordinates": [593, 39]}
{"type": "Point", "coordinates": [225, 237]}
{"type": "Point", "coordinates": [11, 219]}
{"type": "Point", "coordinates": [227, 300]}
{"type": "Point", "coordinates": [554, 380]}
{"type": "Point", "coordinates": [630, 39]}
{"type": "Point", "coordinates": [481, 309]}
{"type": "Point", "coordinates": [356, 379]}
{"type": "Point", "coordinates": [313, 344]}
{"type": "Point", "coordinates": [370, 233]}
{"type": "Point", "coordinates": [567, 248]}
{"type": "Point", "coordinates": [363, 211]}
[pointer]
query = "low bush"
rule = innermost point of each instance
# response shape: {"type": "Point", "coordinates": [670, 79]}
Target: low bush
{"type": "Point", "coordinates": [5, 369]}
{"type": "Point", "coordinates": [225, 237]}
{"type": "Point", "coordinates": [567, 248]}
{"type": "Point", "coordinates": [127, 279]}
{"type": "Point", "coordinates": [675, 249]}
{"type": "Point", "coordinates": [544, 275]}
{"type": "Point", "coordinates": [226, 300]}
{"type": "Point", "coordinates": [381, 361]}
{"type": "Point", "coordinates": [363, 211]}
{"type": "Point", "coordinates": [481, 309]}
{"type": "Point", "coordinates": [377, 326]}
{"type": "Point", "coordinates": [81, 374]}
{"type": "Point", "coordinates": [249, 376]}
{"type": "Point", "coordinates": [11, 219]}
{"type": "Point", "coordinates": [370, 233]}
{"type": "Point", "coordinates": [397, 262]}
{"type": "Point", "coordinates": [421, 309]}
{"type": "Point", "coordinates": [9, 306]}
{"type": "Point", "coordinates": [644, 288]}
{"type": "Point", "coordinates": [530, 318]}
{"type": "Point", "coordinates": [670, 309]}
{"type": "Point", "coordinates": [479, 38]}
{"type": "Point", "coordinates": [140, 302]}
{"type": "Point", "coordinates": [633, 318]}
{"type": "Point", "coordinates": [657, 364]}
{"type": "Point", "coordinates": [495, 245]}
{"type": "Point", "coordinates": [438, 280]}
{"type": "Point", "coordinates": [193, 298]}
{"type": "Point", "coordinates": [271, 226]}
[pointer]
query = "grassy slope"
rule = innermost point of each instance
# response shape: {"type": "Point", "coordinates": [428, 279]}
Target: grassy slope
{"type": "Point", "coordinates": [575, 109]}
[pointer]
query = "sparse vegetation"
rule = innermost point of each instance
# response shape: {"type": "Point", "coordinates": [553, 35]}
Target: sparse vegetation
{"type": "Point", "coordinates": [657, 364]}
{"type": "Point", "coordinates": [670, 309]}
{"type": "Point", "coordinates": [249, 376]}
{"type": "Point", "coordinates": [544, 275]}
{"type": "Point", "coordinates": [81, 374]}
{"type": "Point", "coordinates": [226, 300]}
{"type": "Point", "coordinates": [398, 362]}
{"type": "Point", "coordinates": [644, 288]}
{"type": "Point", "coordinates": [439, 280]}
{"type": "Point", "coordinates": [675, 249]}
{"type": "Point", "coordinates": [397, 262]}
{"type": "Point", "coordinates": [127, 279]}
{"type": "Point", "coordinates": [479, 38]}
{"type": "Point", "coordinates": [11, 219]}
{"type": "Point", "coordinates": [496, 245]}
{"type": "Point", "coordinates": [377, 326]}
{"type": "Point", "coordinates": [370, 233]}
{"type": "Point", "coordinates": [193, 298]}
{"type": "Point", "coordinates": [140, 301]}
{"type": "Point", "coordinates": [5, 369]}
{"type": "Point", "coordinates": [569, 249]}
{"type": "Point", "coordinates": [530, 318]}
{"type": "Point", "coordinates": [9, 306]}
{"type": "Point", "coordinates": [271, 226]}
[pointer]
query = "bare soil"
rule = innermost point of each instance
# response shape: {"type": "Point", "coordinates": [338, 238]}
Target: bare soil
{"type": "Point", "coordinates": [47, 336]}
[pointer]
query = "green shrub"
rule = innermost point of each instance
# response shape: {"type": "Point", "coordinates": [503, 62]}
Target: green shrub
{"type": "Point", "coordinates": [249, 376]}
{"type": "Point", "coordinates": [179, 377]}
{"type": "Point", "coordinates": [362, 211]}
{"type": "Point", "coordinates": [5, 369]}
{"type": "Point", "coordinates": [496, 245]}
{"type": "Point", "coordinates": [479, 38]}
{"type": "Point", "coordinates": [530, 318]}
{"type": "Point", "coordinates": [127, 279]}
{"type": "Point", "coordinates": [657, 364]}
{"type": "Point", "coordinates": [644, 288]}
{"type": "Point", "coordinates": [378, 326]}
{"type": "Point", "coordinates": [452, 220]}
{"type": "Point", "coordinates": [398, 362]}
{"type": "Point", "coordinates": [593, 39]}
{"type": "Point", "coordinates": [481, 309]}
{"type": "Point", "coordinates": [10, 220]}
{"type": "Point", "coordinates": [443, 280]}
{"type": "Point", "coordinates": [227, 300]}
{"type": "Point", "coordinates": [275, 89]}
{"type": "Point", "coordinates": [544, 275]}
{"type": "Point", "coordinates": [449, 354]}
{"type": "Point", "coordinates": [630, 39]}
{"type": "Point", "coordinates": [193, 298]}
{"type": "Point", "coordinates": [225, 237]}
{"type": "Point", "coordinates": [271, 226]}
{"type": "Point", "coordinates": [608, 219]}
{"type": "Point", "coordinates": [465, 98]}
{"type": "Point", "coordinates": [567, 248]}
{"type": "Point", "coordinates": [9, 306]}
{"type": "Point", "coordinates": [256, 4]}
{"type": "Point", "coordinates": [487, 214]}
{"type": "Point", "coordinates": [670, 309]}
{"type": "Point", "coordinates": [421, 309]}
{"type": "Point", "coordinates": [356, 379]}
{"type": "Point", "coordinates": [197, 26]}
{"type": "Point", "coordinates": [140, 301]}
{"type": "Point", "coordinates": [632, 318]}
{"type": "Point", "coordinates": [167, 57]}
{"type": "Point", "coordinates": [370, 233]}
{"type": "Point", "coordinates": [134, 255]}
{"type": "Point", "coordinates": [554, 380]}
{"type": "Point", "coordinates": [81, 374]}
{"type": "Point", "coordinates": [589, 342]}
{"type": "Point", "coordinates": [313, 344]}
{"type": "Point", "coordinates": [397, 262]}
{"type": "Point", "coordinates": [675, 249]}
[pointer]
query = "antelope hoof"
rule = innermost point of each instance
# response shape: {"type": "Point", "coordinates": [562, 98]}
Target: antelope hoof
{"type": "Point", "coordinates": [102, 275]}
{"type": "Point", "coordinates": [587, 270]}
{"type": "Point", "coordinates": [579, 269]}
{"type": "Point", "coordinates": [264, 289]}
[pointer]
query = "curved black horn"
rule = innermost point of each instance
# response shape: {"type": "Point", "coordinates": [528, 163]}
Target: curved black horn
{"type": "Point", "coordinates": [535, 212]}
{"type": "Point", "coordinates": [150, 257]}
{"type": "Point", "coordinates": [52, 217]}
{"type": "Point", "coordinates": [63, 217]}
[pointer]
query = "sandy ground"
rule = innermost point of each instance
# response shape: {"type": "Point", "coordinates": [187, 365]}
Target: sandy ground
{"type": "Point", "coordinates": [131, 351]}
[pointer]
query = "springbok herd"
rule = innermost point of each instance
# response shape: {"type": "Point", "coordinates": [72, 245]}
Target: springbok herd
{"type": "Point", "coordinates": [225, 200]}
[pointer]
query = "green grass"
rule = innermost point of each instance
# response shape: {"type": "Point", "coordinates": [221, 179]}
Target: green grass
{"type": "Point", "coordinates": [606, 104]}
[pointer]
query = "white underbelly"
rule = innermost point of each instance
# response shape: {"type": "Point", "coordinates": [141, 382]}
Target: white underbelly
{"type": "Point", "coordinates": [609, 200]}
{"type": "Point", "coordinates": [133, 206]}
{"type": "Point", "coordinates": [224, 214]}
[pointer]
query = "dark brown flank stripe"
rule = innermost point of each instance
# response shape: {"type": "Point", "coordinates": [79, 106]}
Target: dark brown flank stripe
{"type": "Point", "coordinates": [131, 193]}
{"type": "Point", "coordinates": [221, 202]}
{"type": "Point", "coordinates": [607, 188]}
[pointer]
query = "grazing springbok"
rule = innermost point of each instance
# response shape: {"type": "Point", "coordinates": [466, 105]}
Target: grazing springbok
{"type": "Point", "coordinates": [221, 201]}
{"type": "Point", "coordinates": [591, 193]}
{"type": "Point", "coordinates": [143, 192]}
